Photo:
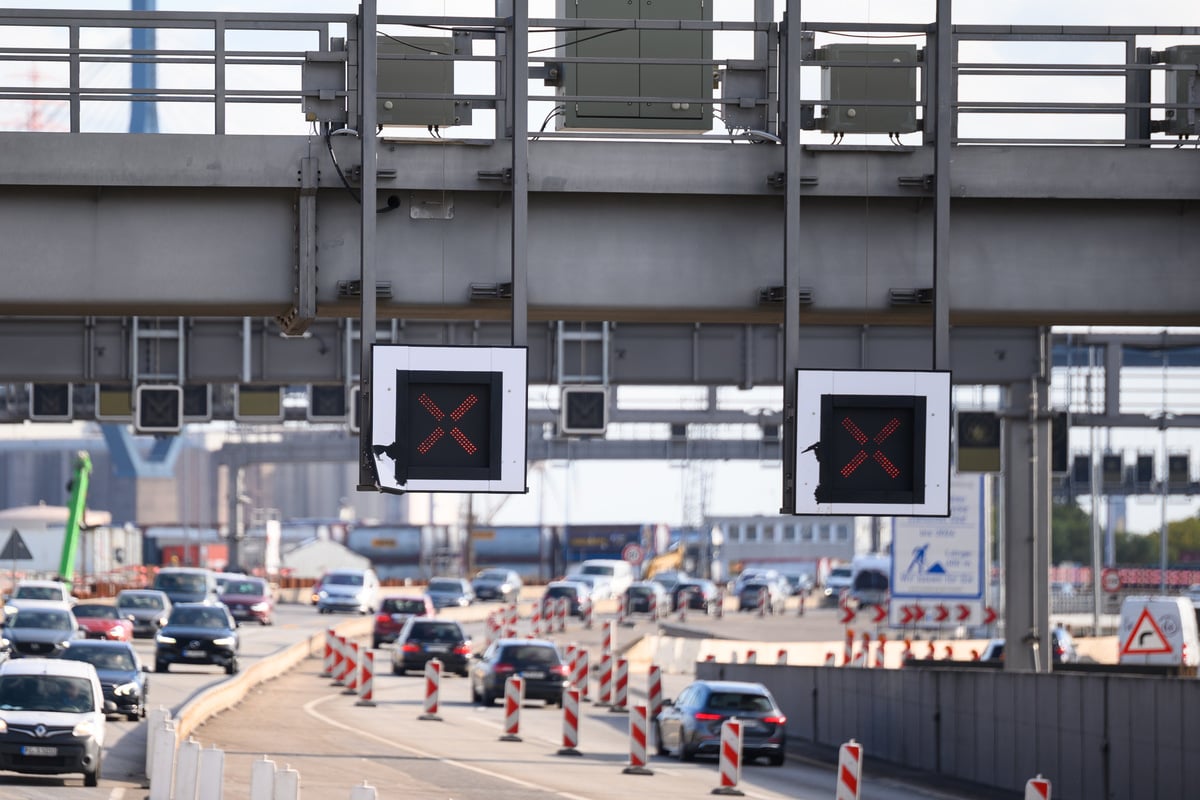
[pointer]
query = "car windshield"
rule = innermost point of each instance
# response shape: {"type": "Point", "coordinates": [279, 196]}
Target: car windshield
{"type": "Point", "coordinates": [96, 611]}
{"type": "Point", "coordinates": [402, 605]}
{"type": "Point", "coordinates": [738, 701]}
{"type": "Point", "coordinates": [199, 617]}
{"type": "Point", "coordinates": [493, 575]}
{"type": "Point", "coordinates": [561, 591]}
{"type": "Point", "coordinates": [529, 654]}
{"type": "Point", "coordinates": [102, 658]}
{"type": "Point", "coordinates": [592, 569]}
{"type": "Point", "coordinates": [38, 593]}
{"type": "Point", "coordinates": [253, 587]}
{"type": "Point", "coordinates": [45, 693]}
{"type": "Point", "coordinates": [181, 583]}
{"type": "Point", "coordinates": [149, 601]}
{"type": "Point", "coordinates": [45, 620]}
{"type": "Point", "coordinates": [436, 632]}
{"type": "Point", "coordinates": [344, 579]}
{"type": "Point", "coordinates": [436, 585]}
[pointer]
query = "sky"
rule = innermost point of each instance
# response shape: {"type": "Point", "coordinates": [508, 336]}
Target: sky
{"type": "Point", "coordinates": [679, 493]}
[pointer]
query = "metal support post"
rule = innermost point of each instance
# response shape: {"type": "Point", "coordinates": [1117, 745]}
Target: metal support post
{"type": "Point", "coordinates": [368, 89]}
{"type": "Point", "coordinates": [943, 96]}
{"type": "Point", "coordinates": [518, 59]}
{"type": "Point", "coordinates": [791, 248]}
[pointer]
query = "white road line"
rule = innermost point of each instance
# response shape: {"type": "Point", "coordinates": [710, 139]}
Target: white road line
{"type": "Point", "coordinates": [310, 709]}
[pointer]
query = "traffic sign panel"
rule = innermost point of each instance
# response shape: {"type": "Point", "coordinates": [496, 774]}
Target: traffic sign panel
{"type": "Point", "coordinates": [1110, 580]}
{"type": "Point", "coordinates": [1146, 638]}
{"type": "Point", "coordinates": [633, 553]}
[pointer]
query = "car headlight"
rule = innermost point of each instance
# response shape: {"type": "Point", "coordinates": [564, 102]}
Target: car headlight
{"type": "Point", "coordinates": [126, 689]}
{"type": "Point", "coordinates": [161, 639]}
{"type": "Point", "coordinates": [3, 726]}
{"type": "Point", "coordinates": [86, 729]}
{"type": "Point", "coordinates": [224, 641]}
{"type": "Point", "coordinates": [323, 594]}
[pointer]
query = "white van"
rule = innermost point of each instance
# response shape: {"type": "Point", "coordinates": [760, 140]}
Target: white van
{"type": "Point", "coordinates": [610, 576]}
{"type": "Point", "coordinates": [1158, 630]}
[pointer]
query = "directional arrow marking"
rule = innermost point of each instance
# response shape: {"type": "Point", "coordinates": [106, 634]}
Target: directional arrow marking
{"type": "Point", "coordinates": [942, 614]}
{"type": "Point", "coordinates": [964, 612]}
{"type": "Point", "coordinates": [989, 615]}
{"type": "Point", "coordinates": [881, 613]}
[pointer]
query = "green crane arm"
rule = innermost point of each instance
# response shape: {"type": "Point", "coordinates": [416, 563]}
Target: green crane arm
{"type": "Point", "coordinates": [79, 487]}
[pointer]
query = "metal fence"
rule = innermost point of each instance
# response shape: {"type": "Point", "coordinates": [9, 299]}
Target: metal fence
{"type": "Point", "coordinates": [1094, 736]}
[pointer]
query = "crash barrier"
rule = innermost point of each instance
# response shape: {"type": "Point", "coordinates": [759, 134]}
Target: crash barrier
{"type": "Point", "coordinates": [637, 743]}
{"type": "Point", "coordinates": [961, 722]}
{"type": "Point", "coordinates": [433, 683]}
{"type": "Point", "coordinates": [849, 771]}
{"type": "Point", "coordinates": [1037, 789]}
{"type": "Point", "coordinates": [570, 724]}
{"type": "Point", "coordinates": [730, 761]}
{"type": "Point", "coordinates": [514, 697]}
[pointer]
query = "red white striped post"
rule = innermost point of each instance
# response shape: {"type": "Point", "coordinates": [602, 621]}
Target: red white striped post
{"type": "Point", "coordinates": [880, 661]}
{"type": "Point", "coordinates": [849, 774]}
{"type": "Point", "coordinates": [514, 697]}
{"type": "Point", "coordinates": [623, 611]}
{"type": "Point", "coordinates": [654, 692]}
{"type": "Point", "coordinates": [350, 676]}
{"type": "Point", "coordinates": [510, 623]}
{"type": "Point", "coordinates": [620, 687]}
{"type": "Point", "coordinates": [932, 652]}
{"type": "Point", "coordinates": [730, 763]}
{"type": "Point", "coordinates": [1037, 789]}
{"type": "Point", "coordinates": [762, 602]}
{"type": "Point", "coordinates": [570, 723]}
{"type": "Point", "coordinates": [366, 689]}
{"type": "Point", "coordinates": [864, 659]}
{"type": "Point", "coordinates": [433, 683]}
{"type": "Point", "coordinates": [830, 659]}
{"type": "Point", "coordinates": [583, 676]}
{"type": "Point", "coordinates": [562, 607]}
{"type": "Point", "coordinates": [720, 602]}
{"type": "Point", "coordinates": [637, 743]}
{"type": "Point", "coordinates": [610, 638]}
{"type": "Point", "coordinates": [906, 653]}
{"type": "Point", "coordinates": [849, 651]}
{"type": "Point", "coordinates": [604, 696]}
{"type": "Point", "coordinates": [327, 667]}
{"type": "Point", "coordinates": [536, 622]}
{"type": "Point", "coordinates": [339, 660]}
{"type": "Point", "coordinates": [652, 606]}
{"type": "Point", "coordinates": [683, 604]}
{"type": "Point", "coordinates": [751, 656]}
{"type": "Point", "coordinates": [781, 657]}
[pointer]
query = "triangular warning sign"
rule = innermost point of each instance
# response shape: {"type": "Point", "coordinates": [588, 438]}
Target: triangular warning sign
{"type": "Point", "coordinates": [15, 549]}
{"type": "Point", "coordinates": [1146, 639]}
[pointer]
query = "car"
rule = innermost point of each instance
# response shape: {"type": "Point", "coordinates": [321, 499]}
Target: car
{"type": "Point", "coordinates": [497, 584]}
{"type": "Point", "coordinates": [103, 621]}
{"type": "Point", "coordinates": [52, 718]}
{"type": "Point", "coordinates": [198, 633]}
{"type": "Point", "coordinates": [537, 661]}
{"type": "Point", "coordinates": [248, 599]}
{"type": "Point", "coordinates": [640, 594]}
{"type": "Point", "coordinates": [421, 640]}
{"type": "Point", "coordinates": [577, 594]}
{"type": "Point", "coordinates": [599, 586]}
{"type": "Point", "coordinates": [1193, 593]}
{"type": "Point", "coordinates": [39, 627]}
{"type": "Point", "coordinates": [1065, 651]}
{"type": "Point", "coordinates": [149, 609]}
{"type": "Point", "coordinates": [698, 593]}
{"type": "Point", "coordinates": [612, 576]}
{"type": "Point", "coordinates": [123, 676]}
{"type": "Point", "coordinates": [755, 591]}
{"type": "Point", "coordinates": [187, 584]}
{"type": "Point", "coordinates": [691, 724]}
{"type": "Point", "coordinates": [449, 592]}
{"type": "Point", "coordinates": [668, 579]}
{"type": "Point", "coordinates": [394, 612]}
{"type": "Point", "coordinates": [352, 590]}
{"type": "Point", "coordinates": [836, 584]}
{"type": "Point", "coordinates": [30, 589]}
{"type": "Point", "coordinates": [754, 574]}
{"type": "Point", "coordinates": [800, 584]}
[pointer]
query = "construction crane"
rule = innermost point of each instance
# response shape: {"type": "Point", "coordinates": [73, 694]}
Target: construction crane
{"type": "Point", "coordinates": [75, 511]}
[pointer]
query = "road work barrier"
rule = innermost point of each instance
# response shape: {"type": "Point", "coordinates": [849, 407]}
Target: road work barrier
{"type": "Point", "coordinates": [849, 771]}
{"type": "Point", "coordinates": [570, 724]}
{"type": "Point", "coordinates": [366, 689]}
{"type": "Point", "coordinates": [514, 697]}
{"type": "Point", "coordinates": [433, 683]}
{"type": "Point", "coordinates": [637, 743]}
{"type": "Point", "coordinates": [729, 764]}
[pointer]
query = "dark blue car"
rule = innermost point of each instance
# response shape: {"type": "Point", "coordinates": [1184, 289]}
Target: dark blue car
{"type": "Point", "coordinates": [691, 725]}
{"type": "Point", "coordinates": [122, 675]}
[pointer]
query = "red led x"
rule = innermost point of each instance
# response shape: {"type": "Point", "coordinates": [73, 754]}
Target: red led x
{"type": "Point", "coordinates": [861, 456]}
{"type": "Point", "coordinates": [457, 414]}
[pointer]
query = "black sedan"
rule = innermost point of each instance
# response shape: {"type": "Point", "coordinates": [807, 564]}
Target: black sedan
{"type": "Point", "coordinates": [197, 633]}
{"type": "Point", "coordinates": [122, 675]}
{"type": "Point", "coordinates": [691, 725]}
{"type": "Point", "coordinates": [39, 628]}
{"type": "Point", "coordinates": [537, 661]}
{"type": "Point", "coordinates": [422, 640]}
{"type": "Point", "coordinates": [699, 593]}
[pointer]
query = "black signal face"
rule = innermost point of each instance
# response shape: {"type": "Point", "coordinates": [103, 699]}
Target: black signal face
{"type": "Point", "coordinates": [448, 425]}
{"type": "Point", "coordinates": [872, 449]}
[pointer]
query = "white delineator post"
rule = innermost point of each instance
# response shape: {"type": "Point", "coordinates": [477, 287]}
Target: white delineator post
{"type": "Point", "coordinates": [262, 779]}
{"type": "Point", "coordinates": [1037, 788]}
{"type": "Point", "coordinates": [637, 743]}
{"type": "Point", "coordinates": [366, 688]}
{"type": "Point", "coordinates": [364, 792]}
{"type": "Point", "coordinates": [730, 763]}
{"type": "Point", "coordinates": [570, 723]}
{"type": "Point", "coordinates": [620, 687]}
{"type": "Point", "coordinates": [586, 610]}
{"type": "Point", "coordinates": [187, 769]}
{"type": "Point", "coordinates": [162, 760]}
{"type": "Point", "coordinates": [433, 683]}
{"type": "Point", "coordinates": [212, 775]}
{"type": "Point", "coordinates": [514, 696]}
{"type": "Point", "coordinates": [849, 771]}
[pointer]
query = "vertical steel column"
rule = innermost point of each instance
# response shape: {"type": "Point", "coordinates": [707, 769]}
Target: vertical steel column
{"type": "Point", "coordinates": [368, 89]}
{"type": "Point", "coordinates": [518, 59]}
{"type": "Point", "coordinates": [943, 99]}
{"type": "Point", "coordinates": [792, 152]}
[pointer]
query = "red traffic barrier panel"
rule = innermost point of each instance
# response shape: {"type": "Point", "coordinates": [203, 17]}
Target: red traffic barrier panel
{"type": "Point", "coordinates": [637, 743]}
{"type": "Point", "coordinates": [879, 655]}
{"type": "Point", "coordinates": [514, 696]}
{"type": "Point", "coordinates": [1037, 789]}
{"type": "Point", "coordinates": [623, 611]}
{"type": "Point", "coordinates": [582, 676]}
{"type": "Point", "coordinates": [906, 653]}
{"type": "Point", "coordinates": [781, 657]}
{"type": "Point", "coordinates": [339, 660]}
{"type": "Point", "coordinates": [848, 654]}
{"type": "Point", "coordinates": [350, 676]}
{"type": "Point", "coordinates": [327, 665]}
{"type": "Point", "coordinates": [730, 762]}
{"type": "Point", "coordinates": [570, 723]}
{"type": "Point", "coordinates": [620, 687]}
{"type": "Point", "coordinates": [751, 656]}
{"type": "Point", "coordinates": [849, 773]}
{"type": "Point", "coordinates": [604, 696]}
{"type": "Point", "coordinates": [433, 685]}
{"type": "Point", "coordinates": [830, 659]}
{"type": "Point", "coordinates": [366, 689]}
{"type": "Point", "coordinates": [652, 606]}
{"type": "Point", "coordinates": [683, 604]}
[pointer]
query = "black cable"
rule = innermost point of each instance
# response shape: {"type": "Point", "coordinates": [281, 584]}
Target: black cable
{"type": "Point", "coordinates": [345, 181]}
{"type": "Point", "coordinates": [577, 41]}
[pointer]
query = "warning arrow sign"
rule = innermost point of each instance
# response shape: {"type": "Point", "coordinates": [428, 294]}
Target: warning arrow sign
{"type": "Point", "coordinates": [1146, 639]}
{"type": "Point", "coordinates": [848, 615]}
{"type": "Point", "coordinates": [15, 549]}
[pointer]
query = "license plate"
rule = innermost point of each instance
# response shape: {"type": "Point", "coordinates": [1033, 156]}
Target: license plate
{"type": "Point", "coordinates": [36, 750]}
{"type": "Point", "coordinates": [535, 674]}
{"type": "Point", "coordinates": [438, 648]}
{"type": "Point", "coordinates": [194, 654]}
